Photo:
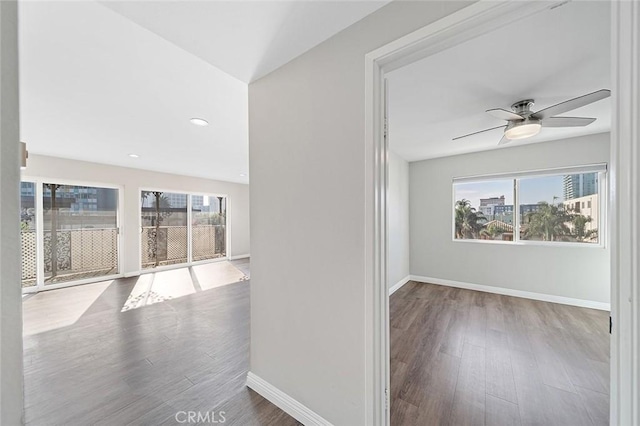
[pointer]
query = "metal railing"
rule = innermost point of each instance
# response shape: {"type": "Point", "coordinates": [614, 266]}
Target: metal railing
{"type": "Point", "coordinates": [168, 245]}
{"type": "Point", "coordinates": [79, 253]}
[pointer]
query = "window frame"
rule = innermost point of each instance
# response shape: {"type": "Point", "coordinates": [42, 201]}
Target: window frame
{"type": "Point", "coordinates": [190, 261]}
{"type": "Point", "coordinates": [600, 168]}
{"type": "Point", "coordinates": [39, 193]}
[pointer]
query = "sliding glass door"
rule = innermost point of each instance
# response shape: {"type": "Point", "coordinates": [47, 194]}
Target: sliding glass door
{"type": "Point", "coordinates": [208, 227]}
{"type": "Point", "coordinates": [181, 228]}
{"type": "Point", "coordinates": [80, 232]}
{"type": "Point", "coordinates": [164, 228]}
{"type": "Point", "coordinates": [28, 234]}
{"type": "Point", "coordinates": [69, 233]}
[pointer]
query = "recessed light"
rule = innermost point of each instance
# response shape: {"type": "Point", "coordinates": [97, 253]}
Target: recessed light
{"type": "Point", "coordinates": [242, 174]}
{"type": "Point", "coordinates": [199, 122]}
{"type": "Point", "coordinates": [134, 155]}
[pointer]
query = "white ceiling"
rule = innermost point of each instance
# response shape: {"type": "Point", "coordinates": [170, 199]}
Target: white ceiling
{"type": "Point", "coordinates": [553, 56]}
{"type": "Point", "coordinates": [246, 39]}
{"type": "Point", "coordinates": [98, 83]}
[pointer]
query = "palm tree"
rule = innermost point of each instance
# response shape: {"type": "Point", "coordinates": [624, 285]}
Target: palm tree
{"type": "Point", "coordinates": [468, 222]}
{"type": "Point", "coordinates": [580, 231]}
{"type": "Point", "coordinates": [548, 223]}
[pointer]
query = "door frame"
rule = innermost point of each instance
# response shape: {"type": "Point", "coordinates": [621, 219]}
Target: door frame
{"type": "Point", "coordinates": [40, 279]}
{"type": "Point", "coordinates": [624, 195]}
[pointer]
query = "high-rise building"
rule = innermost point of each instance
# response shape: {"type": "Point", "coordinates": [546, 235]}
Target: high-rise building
{"type": "Point", "coordinates": [580, 185]}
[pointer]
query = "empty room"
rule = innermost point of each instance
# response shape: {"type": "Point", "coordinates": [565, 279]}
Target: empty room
{"type": "Point", "coordinates": [498, 257]}
{"type": "Point", "coordinates": [349, 213]}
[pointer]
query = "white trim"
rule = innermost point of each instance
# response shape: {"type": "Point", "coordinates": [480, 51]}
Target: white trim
{"type": "Point", "coordinates": [39, 183]}
{"type": "Point", "coordinates": [624, 216]}
{"type": "Point", "coordinates": [131, 274]}
{"type": "Point", "coordinates": [555, 171]}
{"type": "Point", "coordinates": [294, 408]}
{"type": "Point", "coordinates": [515, 293]}
{"type": "Point", "coordinates": [399, 284]}
{"type": "Point", "coordinates": [74, 283]}
{"type": "Point", "coordinates": [515, 177]}
{"type": "Point", "coordinates": [240, 256]}
{"type": "Point", "coordinates": [474, 20]}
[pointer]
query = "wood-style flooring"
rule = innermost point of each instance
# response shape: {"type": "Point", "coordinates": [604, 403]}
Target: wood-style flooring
{"type": "Point", "coordinates": [88, 362]}
{"type": "Point", "coordinates": [461, 357]}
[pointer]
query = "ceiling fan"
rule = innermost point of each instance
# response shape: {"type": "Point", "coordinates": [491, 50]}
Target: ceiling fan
{"type": "Point", "coordinates": [523, 123]}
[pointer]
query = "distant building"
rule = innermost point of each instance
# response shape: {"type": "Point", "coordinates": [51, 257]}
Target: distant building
{"type": "Point", "coordinates": [488, 206]}
{"type": "Point", "coordinates": [587, 206]}
{"type": "Point", "coordinates": [580, 185]}
{"type": "Point", "coordinates": [71, 198]}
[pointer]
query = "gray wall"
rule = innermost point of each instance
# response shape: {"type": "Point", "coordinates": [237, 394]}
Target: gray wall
{"type": "Point", "coordinates": [135, 179]}
{"type": "Point", "coordinates": [10, 291]}
{"type": "Point", "coordinates": [398, 201]}
{"type": "Point", "coordinates": [308, 209]}
{"type": "Point", "coordinates": [574, 272]}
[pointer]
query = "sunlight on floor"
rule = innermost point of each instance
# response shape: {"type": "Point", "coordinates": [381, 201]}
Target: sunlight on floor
{"type": "Point", "coordinates": [157, 287]}
{"type": "Point", "coordinates": [49, 310]}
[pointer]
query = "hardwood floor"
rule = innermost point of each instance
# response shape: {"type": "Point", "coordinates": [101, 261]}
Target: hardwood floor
{"type": "Point", "coordinates": [461, 357]}
{"type": "Point", "coordinates": [92, 358]}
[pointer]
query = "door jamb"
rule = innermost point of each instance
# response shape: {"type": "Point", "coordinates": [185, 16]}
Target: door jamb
{"type": "Point", "coordinates": [472, 21]}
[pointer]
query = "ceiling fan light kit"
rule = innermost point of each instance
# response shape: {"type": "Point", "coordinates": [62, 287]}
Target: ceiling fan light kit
{"type": "Point", "coordinates": [523, 123]}
{"type": "Point", "coordinates": [523, 129]}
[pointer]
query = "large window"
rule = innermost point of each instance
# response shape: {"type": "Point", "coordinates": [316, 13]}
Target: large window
{"type": "Point", "coordinates": [69, 233]}
{"type": "Point", "coordinates": [557, 206]}
{"type": "Point", "coordinates": [164, 228]}
{"type": "Point", "coordinates": [28, 235]}
{"type": "Point", "coordinates": [208, 227]}
{"type": "Point", "coordinates": [174, 233]}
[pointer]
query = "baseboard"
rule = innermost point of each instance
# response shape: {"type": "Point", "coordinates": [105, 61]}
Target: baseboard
{"type": "Point", "coordinates": [399, 284]}
{"type": "Point", "coordinates": [240, 256]}
{"type": "Point", "coordinates": [516, 293]}
{"type": "Point", "coordinates": [283, 401]}
{"type": "Point", "coordinates": [132, 274]}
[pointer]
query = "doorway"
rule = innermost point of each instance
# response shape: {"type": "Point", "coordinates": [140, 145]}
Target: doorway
{"type": "Point", "coordinates": [465, 25]}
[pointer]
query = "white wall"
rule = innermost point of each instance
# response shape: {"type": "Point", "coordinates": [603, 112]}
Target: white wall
{"type": "Point", "coordinates": [10, 301]}
{"type": "Point", "coordinates": [574, 272]}
{"type": "Point", "coordinates": [398, 202]}
{"type": "Point", "coordinates": [308, 212]}
{"type": "Point", "coordinates": [133, 180]}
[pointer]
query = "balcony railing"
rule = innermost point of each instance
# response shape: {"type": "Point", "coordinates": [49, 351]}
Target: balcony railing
{"type": "Point", "coordinates": [167, 245]}
{"type": "Point", "coordinates": [80, 253]}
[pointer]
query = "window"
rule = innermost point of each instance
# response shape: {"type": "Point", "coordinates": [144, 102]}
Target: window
{"type": "Point", "coordinates": [164, 228]}
{"type": "Point", "coordinates": [484, 210]}
{"type": "Point", "coordinates": [554, 206]}
{"type": "Point", "coordinates": [80, 234]}
{"type": "Point", "coordinates": [72, 229]}
{"type": "Point", "coordinates": [174, 233]}
{"type": "Point", "coordinates": [208, 227]}
{"type": "Point", "coordinates": [28, 235]}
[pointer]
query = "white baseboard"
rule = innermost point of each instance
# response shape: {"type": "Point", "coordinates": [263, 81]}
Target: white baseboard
{"type": "Point", "coordinates": [240, 256]}
{"type": "Point", "coordinates": [131, 274]}
{"type": "Point", "coordinates": [516, 293]}
{"type": "Point", "coordinates": [283, 401]}
{"type": "Point", "coordinates": [399, 284]}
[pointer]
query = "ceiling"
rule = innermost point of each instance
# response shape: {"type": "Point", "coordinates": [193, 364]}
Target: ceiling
{"type": "Point", "coordinates": [100, 81]}
{"type": "Point", "coordinates": [551, 57]}
{"type": "Point", "coordinates": [246, 39]}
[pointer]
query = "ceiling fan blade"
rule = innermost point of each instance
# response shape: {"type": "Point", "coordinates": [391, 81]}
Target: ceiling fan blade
{"type": "Point", "coordinates": [504, 140]}
{"type": "Point", "coordinates": [475, 133]}
{"type": "Point", "coordinates": [571, 104]}
{"type": "Point", "coordinates": [503, 114]}
{"type": "Point", "coordinates": [567, 121]}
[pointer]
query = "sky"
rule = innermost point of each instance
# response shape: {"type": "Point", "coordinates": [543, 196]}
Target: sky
{"type": "Point", "coordinates": [532, 190]}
